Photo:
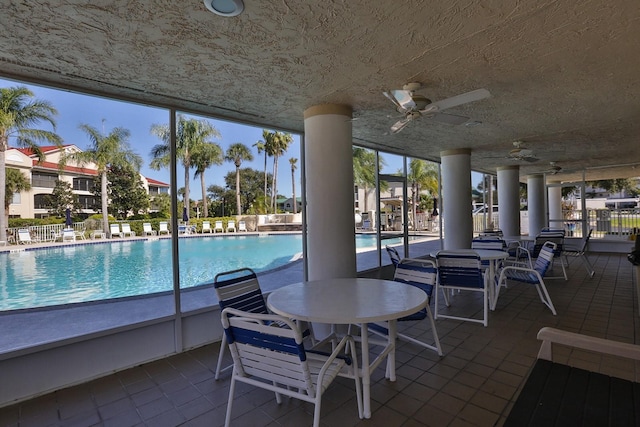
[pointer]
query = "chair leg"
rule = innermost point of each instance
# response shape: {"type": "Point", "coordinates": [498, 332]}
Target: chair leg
{"type": "Point", "coordinates": [544, 296]}
{"type": "Point", "coordinates": [232, 387]}
{"type": "Point", "coordinates": [223, 345]}
{"type": "Point", "coordinates": [587, 265]}
{"type": "Point", "coordinates": [434, 330]}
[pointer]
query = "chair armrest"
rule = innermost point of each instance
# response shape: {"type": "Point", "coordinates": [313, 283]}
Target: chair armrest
{"type": "Point", "coordinates": [550, 336]}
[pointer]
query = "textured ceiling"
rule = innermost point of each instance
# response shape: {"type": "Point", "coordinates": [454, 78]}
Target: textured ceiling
{"type": "Point", "coordinates": [563, 74]}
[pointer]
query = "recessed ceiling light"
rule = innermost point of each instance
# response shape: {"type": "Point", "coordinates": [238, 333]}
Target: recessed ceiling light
{"type": "Point", "coordinates": [225, 7]}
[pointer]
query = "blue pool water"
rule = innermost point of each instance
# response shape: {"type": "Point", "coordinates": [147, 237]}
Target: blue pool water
{"type": "Point", "coordinates": [70, 274]}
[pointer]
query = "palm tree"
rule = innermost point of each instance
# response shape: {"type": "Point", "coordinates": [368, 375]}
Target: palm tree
{"type": "Point", "coordinates": [189, 134]}
{"type": "Point", "coordinates": [204, 156]}
{"type": "Point", "coordinates": [422, 176]}
{"type": "Point", "coordinates": [236, 154]}
{"type": "Point", "coordinates": [277, 145]}
{"type": "Point", "coordinates": [262, 146]}
{"type": "Point", "coordinates": [18, 115]}
{"type": "Point", "coordinates": [106, 151]}
{"type": "Point", "coordinates": [364, 170]}
{"type": "Point", "coordinates": [293, 162]}
{"type": "Point", "coordinates": [16, 182]}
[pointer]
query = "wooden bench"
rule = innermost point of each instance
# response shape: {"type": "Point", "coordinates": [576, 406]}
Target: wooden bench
{"type": "Point", "coordinates": [561, 395]}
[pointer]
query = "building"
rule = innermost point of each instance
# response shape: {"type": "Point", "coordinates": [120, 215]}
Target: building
{"type": "Point", "coordinates": [43, 176]}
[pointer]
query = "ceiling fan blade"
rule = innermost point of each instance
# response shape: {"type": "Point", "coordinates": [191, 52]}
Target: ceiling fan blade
{"type": "Point", "coordinates": [395, 101]}
{"type": "Point", "coordinates": [404, 99]}
{"type": "Point", "coordinates": [530, 159]}
{"type": "Point", "coordinates": [464, 98]}
{"type": "Point", "coordinates": [450, 119]}
{"type": "Point", "coordinates": [400, 124]}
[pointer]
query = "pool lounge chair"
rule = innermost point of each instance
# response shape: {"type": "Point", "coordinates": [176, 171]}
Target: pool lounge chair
{"type": "Point", "coordinates": [24, 237]}
{"type": "Point", "coordinates": [163, 227]}
{"type": "Point", "coordinates": [206, 227]}
{"type": "Point", "coordinates": [68, 235]}
{"type": "Point", "coordinates": [114, 230]}
{"type": "Point", "coordinates": [126, 231]}
{"type": "Point", "coordinates": [231, 226]}
{"type": "Point", "coordinates": [218, 227]}
{"type": "Point", "coordinates": [147, 230]}
{"type": "Point", "coordinates": [242, 226]}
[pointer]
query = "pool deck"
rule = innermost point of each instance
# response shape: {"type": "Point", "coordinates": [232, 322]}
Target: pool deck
{"type": "Point", "coordinates": [25, 329]}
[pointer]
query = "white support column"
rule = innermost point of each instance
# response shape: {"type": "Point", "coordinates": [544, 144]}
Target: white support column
{"type": "Point", "coordinates": [535, 203]}
{"type": "Point", "coordinates": [456, 198]}
{"type": "Point", "coordinates": [555, 206]}
{"type": "Point", "coordinates": [331, 248]}
{"type": "Point", "coordinates": [509, 199]}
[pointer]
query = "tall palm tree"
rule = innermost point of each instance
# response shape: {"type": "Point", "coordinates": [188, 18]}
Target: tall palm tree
{"type": "Point", "coordinates": [106, 151]}
{"type": "Point", "coordinates": [262, 146]}
{"type": "Point", "coordinates": [422, 176]}
{"type": "Point", "coordinates": [16, 183]}
{"type": "Point", "coordinates": [18, 116]}
{"type": "Point", "coordinates": [204, 156]}
{"type": "Point", "coordinates": [189, 134]}
{"type": "Point", "coordinates": [277, 145]}
{"type": "Point", "coordinates": [236, 154]}
{"type": "Point", "coordinates": [293, 162]}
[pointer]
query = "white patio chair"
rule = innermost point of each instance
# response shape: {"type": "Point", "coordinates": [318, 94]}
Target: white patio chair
{"type": "Point", "coordinates": [115, 230]}
{"type": "Point", "coordinates": [275, 359]}
{"type": "Point", "coordinates": [126, 231]}
{"type": "Point", "coordinates": [163, 227]}
{"type": "Point", "coordinates": [493, 243]}
{"type": "Point", "coordinates": [231, 226]}
{"type": "Point", "coordinates": [24, 237]}
{"type": "Point", "coordinates": [218, 227]}
{"type": "Point", "coordinates": [68, 235]}
{"type": "Point", "coordinates": [556, 237]}
{"type": "Point", "coordinates": [422, 274]}
{"type": "Point", "coordinates": [147, 229]}
{"type": "Point", "coordinates": [461, 271]}
{"type": "Point", "coordinates": [206, 227]}
{"type": "Point", "coordinates": [242, 226]}
{"type": "Point", "coordinates": [393, 255]}
{"type": "Point", "coordinates": [532, 276]}
{"type": "Point", "coordinates": [579, 252]}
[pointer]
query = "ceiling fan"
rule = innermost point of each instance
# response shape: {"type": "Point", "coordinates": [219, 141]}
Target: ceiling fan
{"type": "Point", "coordinates": [521, 153]}
{"type": "Point", "coordinates": [414, 106]}
{"type": "Point", "coordinates": [553, 169]}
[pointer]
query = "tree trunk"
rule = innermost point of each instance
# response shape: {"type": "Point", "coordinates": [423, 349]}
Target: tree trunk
{"type": "Point", "coordinates": [238, 210]}
{"type": "Point", "coordinates": [293, 187]}
{"type": "Point", "coordinates": [205, 201]}
{"type": "Point", "coordinates": [105, 202]}
{"type": "Point", "coordinates": [187, 196]}
{"type": "Point", "coordinates": [274, 186]}
{"type": "Point", "coordinates": [265, 175]}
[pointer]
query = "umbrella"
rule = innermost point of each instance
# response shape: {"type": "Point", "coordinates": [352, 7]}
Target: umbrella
{"type": "Point", "coordinates": [435, 207]}
{"type": "Point", "coordinates": [185, 214]}
{"type": "Point", "coordinates": [68, 222]}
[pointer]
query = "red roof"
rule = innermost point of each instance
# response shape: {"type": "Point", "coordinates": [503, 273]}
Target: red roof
{"type": "Point", "coordinates": [44, 149]}
{"type": "Point", "coordinates": [156, 182]}
{"type": "Point", "coordinates": [66, 168]}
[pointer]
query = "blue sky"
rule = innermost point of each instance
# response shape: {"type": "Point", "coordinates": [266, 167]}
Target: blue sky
{"type": "Point", "coordinates": [75, 109]}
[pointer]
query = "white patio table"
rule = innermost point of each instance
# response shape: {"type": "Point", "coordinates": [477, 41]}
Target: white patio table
{"type": "Point", "coordinates": [352, 301]}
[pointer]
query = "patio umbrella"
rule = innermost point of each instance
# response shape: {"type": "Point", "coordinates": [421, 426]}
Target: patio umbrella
{"type": "Point", "coordinates": [68, 221]}
{"type": "Point", "coordinates": [435, 207]}
{"type": "Point", "coordinates": [185, 214]}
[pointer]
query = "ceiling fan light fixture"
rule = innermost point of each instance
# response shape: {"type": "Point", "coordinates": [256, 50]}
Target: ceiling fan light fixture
{"type": "Point", "coordinates": [226, 8]}
{"type": "Point", "coordinates": [421, 101]}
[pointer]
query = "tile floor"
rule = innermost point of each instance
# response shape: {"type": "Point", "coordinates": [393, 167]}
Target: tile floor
{"type": "Point", "coordinates": [474, 384]}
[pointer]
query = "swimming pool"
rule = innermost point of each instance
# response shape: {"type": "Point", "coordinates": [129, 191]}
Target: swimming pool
{"type": "Point", "coordinates": [90, 272]}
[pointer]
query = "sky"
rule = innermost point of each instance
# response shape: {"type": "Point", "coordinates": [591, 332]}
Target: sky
{"type": "Point", "coordinates": [105, 114]}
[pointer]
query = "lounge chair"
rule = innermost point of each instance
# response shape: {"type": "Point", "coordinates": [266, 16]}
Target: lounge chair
{"type": "Point", "coordinates": [231, 226]}
{"type": "Point", "coordinates": [24, 237]}
{"type": "Point", "coordinates": [68, 235]}
{"type": "Point", "coordinates": [218, 227]}
{"type": "Point", "coordinates": [147, 230]}
{"type": "Point", "coordinates": [115, 230]}
{"type": "Point", "coordinates": [163, 227]}
{"type": "Point", "coordinates": [206, 227]}
{"type": "Point", "coordinates": [126, 231]}
{"type": "Point", "coordinates": [242, 226]}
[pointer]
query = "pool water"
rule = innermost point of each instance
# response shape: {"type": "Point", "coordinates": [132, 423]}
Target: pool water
{"type": "Point", "coordinates": [79, 273]}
